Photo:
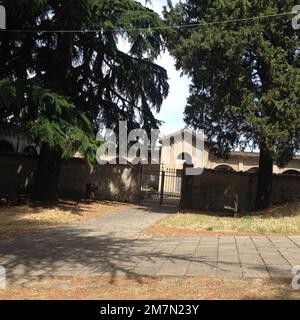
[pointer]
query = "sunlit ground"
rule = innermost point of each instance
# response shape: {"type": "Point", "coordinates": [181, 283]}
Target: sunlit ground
{"type": "Point", "coordinates": [18, 220]}
{"type": "Point", "coordinates": [149, 288]}
{"type": "Point", "coordinates": [281, 220]}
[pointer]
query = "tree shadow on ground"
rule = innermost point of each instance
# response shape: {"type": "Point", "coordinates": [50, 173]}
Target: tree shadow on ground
{"type": "Point", "coordinates": [64, 205]}
{"type": "Point", "coordinates": [157, 209]}
{"type": "Point", "coordinates": [84, 252]}
{"type": "Point", "coordinates": [44, 215]}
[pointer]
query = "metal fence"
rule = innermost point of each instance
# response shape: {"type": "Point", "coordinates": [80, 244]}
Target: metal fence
{"type": "Point", "coordinates": [161, 187]}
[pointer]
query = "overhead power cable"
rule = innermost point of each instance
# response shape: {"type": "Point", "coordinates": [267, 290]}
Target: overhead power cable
{"type": "Point", "coordinates": [174, 27]}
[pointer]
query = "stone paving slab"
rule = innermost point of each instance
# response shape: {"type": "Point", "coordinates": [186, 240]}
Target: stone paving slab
{"type": "Point", "coordinates": [255, 271]}
{"type": "Point", "coordinates": [111, 245]}
{"type": "Point", "coordinates": [174, 268]}
{"type": "Point", "coordinates": [279, 271]}
{"type": "Point", "coordinates": [202, 269]}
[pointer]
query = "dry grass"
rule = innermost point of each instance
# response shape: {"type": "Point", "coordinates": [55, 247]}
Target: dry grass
{"type": "Point", "coordinates": [40, 216]}
{"type": "Point", "coordinates": [149, 288]}
{"type": "Point", "coordinates": [280, 220]}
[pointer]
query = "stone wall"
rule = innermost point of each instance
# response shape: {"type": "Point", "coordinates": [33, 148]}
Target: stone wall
{"type": "Point", "coordinates": [285, 188]}
{"type": "Point", "coordinates": [213, 190]}
{"type": "Point", "coordinates": [17, 170]}
{"type": "Point", "coordinates": [209, 191]}
{"type": "Point", "coordinates": [114, 182]}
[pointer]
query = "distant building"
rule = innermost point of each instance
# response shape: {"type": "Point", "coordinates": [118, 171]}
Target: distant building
{"type": "Point", "coordinates": [236, 162]}
{"type": "Point", "coordinates": [171, 145]}
{"type": "Point", "coordinates": [10, 144]}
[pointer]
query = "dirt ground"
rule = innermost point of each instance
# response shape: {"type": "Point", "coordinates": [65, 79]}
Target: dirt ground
{"type": "Point", "coordinates": [160, 230]}
{"type": "Point", "coordinates": [122, 288]}
{"type": "Point", "coordinates": [20, 220]}
{"type": "Point", "coordinates": [278, 220]}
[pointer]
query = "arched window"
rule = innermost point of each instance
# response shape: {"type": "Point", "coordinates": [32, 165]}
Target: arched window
{"type": "Point", "coordinates": [224, 168]}
{"type": "Point", "coordinates": [30, 151]}
{"type": "Point", "coordinates": [291, 173]}
{"type": "Point", "coordinates": [253, 170]}
{"type": "Point", "coordinates": [6, 147]}
{"type": "Point", "coordinates": [185, 157]}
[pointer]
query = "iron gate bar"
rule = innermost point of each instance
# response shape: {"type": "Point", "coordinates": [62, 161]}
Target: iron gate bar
{"type": "Point", "coordinates": [161, 187]}
{"type": "Point", "coordinates": [161, 200]}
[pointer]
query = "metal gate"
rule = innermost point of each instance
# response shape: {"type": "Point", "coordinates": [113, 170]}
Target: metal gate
{"type": "Point", "coordinates": [161, 187]}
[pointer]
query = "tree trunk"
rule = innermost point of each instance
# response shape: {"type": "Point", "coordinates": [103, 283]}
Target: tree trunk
{"type": "Point", "coordinates": [265, 180]}
{"type": "Point", "coordinates": [46, 182]}
{"type": "Point", "coordinates": [46, 185]}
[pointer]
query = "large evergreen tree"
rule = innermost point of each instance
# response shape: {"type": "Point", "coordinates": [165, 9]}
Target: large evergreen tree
{"type": "Point", "coordinates": [245, 89]}
{"type": "Point", "coordinates": [59, 87]}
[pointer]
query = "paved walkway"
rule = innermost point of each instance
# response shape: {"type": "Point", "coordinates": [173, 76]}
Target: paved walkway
{"type": "Point", "coordinates": [110, 246]}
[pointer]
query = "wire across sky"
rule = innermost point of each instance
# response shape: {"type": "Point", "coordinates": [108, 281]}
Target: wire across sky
{"type": "Point", "coordinates": [174, 27]}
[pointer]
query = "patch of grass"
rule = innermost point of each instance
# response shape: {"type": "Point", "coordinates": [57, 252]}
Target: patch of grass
{"type": "Point", "coordinates": [60, 288]}
{"type": "Point", "coordinates": [40, 216]}
{"type": "Point", "coordinates": [275, 221]}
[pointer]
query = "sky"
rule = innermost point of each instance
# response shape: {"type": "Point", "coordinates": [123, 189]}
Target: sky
{"type": "Point", "coordinates": [173, 107]}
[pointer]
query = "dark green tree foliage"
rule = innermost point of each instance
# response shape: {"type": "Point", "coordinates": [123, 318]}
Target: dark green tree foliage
{"type": "Point", "coordinates": [59, 87]}
{"type": "Point", "coordinates": [245, 78]}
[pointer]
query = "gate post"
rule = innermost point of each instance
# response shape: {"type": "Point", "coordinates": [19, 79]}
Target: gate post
{"type": "Point", "coordinates": [162, 186]}
{"type": "Point", "coordinates": [186, 188]}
